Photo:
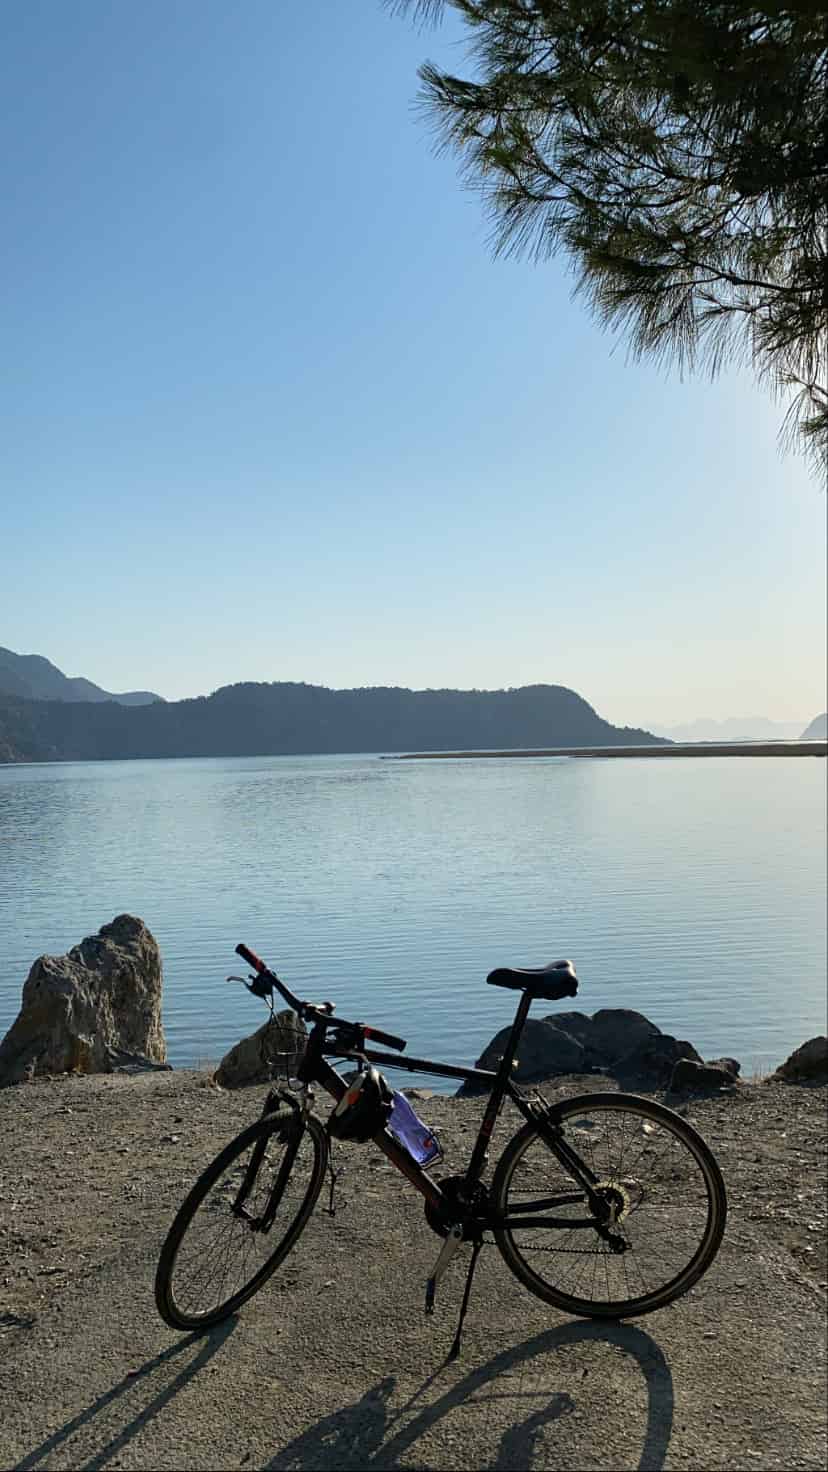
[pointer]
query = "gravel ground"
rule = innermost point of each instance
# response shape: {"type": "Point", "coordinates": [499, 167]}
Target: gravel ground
{"type": "Point", "coordinates": [333, 1364]}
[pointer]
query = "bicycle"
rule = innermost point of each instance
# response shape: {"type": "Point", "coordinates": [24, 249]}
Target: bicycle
{"type": "Point", "coordinates": [626, 1203]}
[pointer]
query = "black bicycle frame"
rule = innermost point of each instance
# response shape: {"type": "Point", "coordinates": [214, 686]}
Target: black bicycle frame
{"type": "Point", "coordinates": [501, 1087]}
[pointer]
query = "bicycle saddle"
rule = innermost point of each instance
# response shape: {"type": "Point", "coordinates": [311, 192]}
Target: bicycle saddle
{"type": "Point", "coordinates": [551, 982]}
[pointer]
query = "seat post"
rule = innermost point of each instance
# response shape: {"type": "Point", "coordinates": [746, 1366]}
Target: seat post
{"type": "Point", "coordinates": [487, 1124]}
{"type": "Point", "coordinates": [505, 1067]}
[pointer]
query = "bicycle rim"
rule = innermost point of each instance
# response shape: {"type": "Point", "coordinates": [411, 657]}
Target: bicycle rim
{"type": "Point", "coordinates": [672, 1208]}
{"type": "Point", "coordinates": [215, 1256]}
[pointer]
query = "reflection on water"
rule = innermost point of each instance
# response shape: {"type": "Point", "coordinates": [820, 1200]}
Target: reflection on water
{"type": "Point", "coordinates": [693, 891]}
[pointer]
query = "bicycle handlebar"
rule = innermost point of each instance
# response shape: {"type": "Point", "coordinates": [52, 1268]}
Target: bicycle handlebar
{"type": "Point", "coordinates": [386, 1038]}
{"type": "Point", "coordinates": [250, 957]}
{"type": "Point", "coordinates": [265, 974]}
{"type": "Point", "coordinates": [307, 1009]}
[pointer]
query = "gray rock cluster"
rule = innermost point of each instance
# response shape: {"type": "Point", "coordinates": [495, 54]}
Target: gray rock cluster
{"type": "Point", "coordinates": [614, 1041]}
{"type": "Point", "coordinates": [626, 1046]}
{"type": "Point", "coordinates": [95, 1010]}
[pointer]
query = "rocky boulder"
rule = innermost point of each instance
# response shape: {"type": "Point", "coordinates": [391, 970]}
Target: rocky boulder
{"type": "Point", "coordinates": [607, 1035]}
{"type": "Point", "coordinates": [650, 1064]}
{"type": "Point", "coordinates": [275, 1049]}
{"type": "Point", "coordinates": [731, 1065]}
{"type": "Point", "coordinates": [808, 1064]}
{"type": "Point", "coordinates": [576, 1024]}
{"type": "Point", "coordinates": [616, 1041]}
{"type": "Point", "coordinates": [543, 1050]}
{"type": "Point", "coordinates": [689, 1077]}
{"type": "Point", "coordinates": [86, 1011]}
{"type": "Point", "coordinates": [616, 1031]}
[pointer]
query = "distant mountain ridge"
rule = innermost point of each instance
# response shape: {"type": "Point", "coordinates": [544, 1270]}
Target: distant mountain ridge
{"type": "Point", "coordinates": [733, 728]}
{"type": "Point", "coordinates": [818, 729]}
{"type": "Point", "coordinates": [35, 678]}
{"type": "Point", "coordinates": [291, 719]}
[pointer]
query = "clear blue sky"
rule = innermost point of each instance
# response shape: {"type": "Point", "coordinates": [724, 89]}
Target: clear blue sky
{"type": "Point", "coordinates": [271, 410]}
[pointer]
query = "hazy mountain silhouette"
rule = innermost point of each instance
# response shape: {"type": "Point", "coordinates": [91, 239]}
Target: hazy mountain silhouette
{"type": "Point", "coordinates": [36, 678]}
{"type": "Point", "coordinates": [734, 728]}
{"type": "Point", "coordinates": [818, 729]}
{"type": "Point", "coordinates": [289, 718]}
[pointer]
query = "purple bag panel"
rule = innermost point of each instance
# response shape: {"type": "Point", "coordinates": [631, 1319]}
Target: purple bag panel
{"type": "Point", "coordinates": [412, 1133]}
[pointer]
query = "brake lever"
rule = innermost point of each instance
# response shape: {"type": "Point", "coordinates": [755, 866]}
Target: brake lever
{"type": "Point", "coordinates": [258, 985]}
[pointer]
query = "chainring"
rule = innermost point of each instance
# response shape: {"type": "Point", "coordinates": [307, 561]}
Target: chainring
{"type": "Point", "coordinates": [462, 1205]}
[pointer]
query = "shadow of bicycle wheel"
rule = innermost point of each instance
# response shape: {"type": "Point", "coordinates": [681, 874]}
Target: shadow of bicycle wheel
{"type": "Point", "coordinates": [369, 1434]}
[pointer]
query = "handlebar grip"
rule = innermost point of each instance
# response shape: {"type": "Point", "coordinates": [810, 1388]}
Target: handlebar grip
{"type": "Point", "coordinates": [387, 1038]}
{"type": "Point", "coordinates": [250, 957]}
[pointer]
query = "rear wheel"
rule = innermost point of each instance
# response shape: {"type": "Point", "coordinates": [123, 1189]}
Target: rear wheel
{"type": "Point", "coordinates": [665, 1198]}
{"type": "Point", "coordinates": [240, 1220]}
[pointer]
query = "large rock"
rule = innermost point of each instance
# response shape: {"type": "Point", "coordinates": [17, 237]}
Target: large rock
{"type": "Point", "coordinates": [808, 1064]}
{"type": "Point", "coordinates": [543, 1051]}
{"type": "Point", "coordinates": [85, 1011]}
{"type": "Point", "coordinates": [650, 1064]}
{"type": "Point", "coordinates": [616, 1031]}
{"type": "Point", "coordinates": [608, 1035]}
{"type": "Point", "coordinates": [689, 1077]}
{"type": "Point", "coordinates": [731, 1065]}
{"type": "Point", "coordinates": [275, 1049]}
{"type": "Point", "coordinates": [614, 1040]}
{"type": "Point", "coordinates": [577, 1024]}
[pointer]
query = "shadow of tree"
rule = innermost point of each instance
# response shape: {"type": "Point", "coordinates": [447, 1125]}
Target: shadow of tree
{"type": "Point", "coordinates": [206, 1346]}
{"type": "Point", "coordinates": [364, 1435]}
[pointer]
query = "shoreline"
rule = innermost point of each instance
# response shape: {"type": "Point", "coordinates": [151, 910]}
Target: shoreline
{"type": "Point", "coordinates": [682, 749]}
{"type": "Point", "coordinates": [678, 749]}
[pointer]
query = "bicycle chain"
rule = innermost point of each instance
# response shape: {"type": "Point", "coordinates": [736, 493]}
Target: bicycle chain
{"type": "Point", "coordinates": [574, 1251]}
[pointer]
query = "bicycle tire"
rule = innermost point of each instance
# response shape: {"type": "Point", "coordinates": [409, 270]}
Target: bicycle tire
{"type": "Point", "coordinates": [178, 1284]}
{"type": "Point", "coordinates": [661, 1217]}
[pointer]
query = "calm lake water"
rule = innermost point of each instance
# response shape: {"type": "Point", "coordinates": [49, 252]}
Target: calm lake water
{"type": "Point", "coordinates": [691, 890]}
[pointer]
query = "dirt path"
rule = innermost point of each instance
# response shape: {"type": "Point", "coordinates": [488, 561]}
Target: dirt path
{"type": "Point", "coordinates": [333, 1364]}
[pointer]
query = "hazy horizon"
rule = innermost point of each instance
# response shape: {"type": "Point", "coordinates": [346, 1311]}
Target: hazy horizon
{"type": "Point", "coordinates": [275, 413]}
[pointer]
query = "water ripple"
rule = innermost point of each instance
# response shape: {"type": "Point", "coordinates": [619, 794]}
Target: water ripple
{"type": "Point", "coordinates": [692, 891]}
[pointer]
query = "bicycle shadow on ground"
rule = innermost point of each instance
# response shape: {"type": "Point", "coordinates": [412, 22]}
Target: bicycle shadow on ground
{"type": "Point", "coordinates": [206, 1346]}
{"type": "Point", "coordinates": [363, 1435]}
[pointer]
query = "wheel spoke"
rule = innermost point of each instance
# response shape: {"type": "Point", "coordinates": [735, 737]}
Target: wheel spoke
{"type": "Point", "coordinates": [663, 1190]}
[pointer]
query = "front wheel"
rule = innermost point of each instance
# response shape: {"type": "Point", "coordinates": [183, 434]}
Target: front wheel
{"type": "Point", "coordinates": [665, 1207]}
{"type": "Point", "coordinates": [240, 1220]}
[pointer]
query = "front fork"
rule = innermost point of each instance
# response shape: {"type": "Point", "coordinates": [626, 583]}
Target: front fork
{"type": "Point", "coordinates": [290, 1133]}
